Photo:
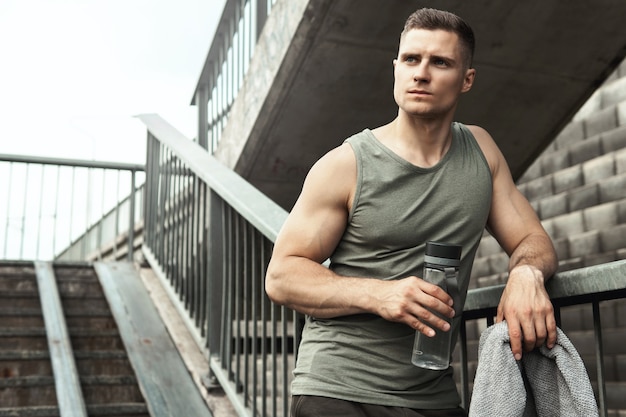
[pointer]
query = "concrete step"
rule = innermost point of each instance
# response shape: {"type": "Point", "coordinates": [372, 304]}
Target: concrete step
{"type": "Point", "coordinates": [27, 388]}
{"type": "Point", "coordinates": [98, 410]}
{"type": "Point", "coordinates": [20, 391]}
{"type": "Point", "coordinates": [24, 363]}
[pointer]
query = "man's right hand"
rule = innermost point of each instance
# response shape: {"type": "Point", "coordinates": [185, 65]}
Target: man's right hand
{"type": "Point", "coordinates": [413, 301]}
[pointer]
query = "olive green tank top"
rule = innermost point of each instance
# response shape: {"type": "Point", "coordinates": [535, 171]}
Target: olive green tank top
{"type": "Point", "coordinates": [397, 207]}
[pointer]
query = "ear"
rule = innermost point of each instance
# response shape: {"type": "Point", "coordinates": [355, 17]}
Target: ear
{"type": "Point", "coordinates": [468, 80]}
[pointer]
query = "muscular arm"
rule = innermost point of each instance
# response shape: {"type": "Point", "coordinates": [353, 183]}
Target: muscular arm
{"type": "Point", "coordinates": [296, 278]}
{"type": "Point", "coordinates": [524, 304]}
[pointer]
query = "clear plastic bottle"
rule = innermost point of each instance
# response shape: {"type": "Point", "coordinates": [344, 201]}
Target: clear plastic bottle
{"type": "Point", "coordinates": [441, 264]}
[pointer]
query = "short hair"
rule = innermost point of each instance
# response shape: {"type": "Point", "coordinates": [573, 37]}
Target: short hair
{"type": "Point", "coordinates": [433, 19]}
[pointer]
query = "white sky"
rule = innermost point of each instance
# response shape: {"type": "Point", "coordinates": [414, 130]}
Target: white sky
{"type": "Point", "coordinates": [73, 73]}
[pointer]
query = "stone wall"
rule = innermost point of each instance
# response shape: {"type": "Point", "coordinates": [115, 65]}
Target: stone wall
{"type": "Point", "coordinates": [578, 188]}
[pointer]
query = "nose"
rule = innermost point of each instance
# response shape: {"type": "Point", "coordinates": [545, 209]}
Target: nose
{"type": "Point", "coordinates": [421, 72]}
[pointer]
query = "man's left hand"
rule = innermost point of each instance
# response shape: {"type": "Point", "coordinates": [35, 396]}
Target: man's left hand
{"type": "Point", "coordinates": [528, 311]}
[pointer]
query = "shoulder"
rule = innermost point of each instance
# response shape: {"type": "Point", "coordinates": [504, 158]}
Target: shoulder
{"type": "Point", "coordinates": [333, 176]}
{"type": "Point", "coordinates": [488, 146]}
{"type": "Point", "coordinates": [339, 159]}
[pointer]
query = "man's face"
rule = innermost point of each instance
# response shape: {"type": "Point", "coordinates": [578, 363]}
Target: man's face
{"type": "Point", "coordinates": [429, 73]}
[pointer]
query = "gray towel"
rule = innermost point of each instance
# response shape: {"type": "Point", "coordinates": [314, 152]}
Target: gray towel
{"type": "Point", "coordinates": [545, 383]}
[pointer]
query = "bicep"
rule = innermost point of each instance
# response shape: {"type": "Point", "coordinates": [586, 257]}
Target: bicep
{"type": "Point", "coordinates": [511, 218]}
{"type": "Point", "coordinates": [319, 217]}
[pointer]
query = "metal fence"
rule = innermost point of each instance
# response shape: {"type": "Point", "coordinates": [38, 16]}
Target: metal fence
{"type": "Point", "coordinates": [226, 65]}
{"type": "Point", "coordinates": [589, 287]}
{"type": "Point", "coordinates": [52, 205]}
{"type": "Point", "coordinates": [208, 237]}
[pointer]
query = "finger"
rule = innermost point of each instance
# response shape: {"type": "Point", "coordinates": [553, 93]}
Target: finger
{"type": "Point", "coordinates": [529, 335]}
{"type": "Point", "coordinates": [499, 314]}
{"type": "Point", "coordinates": [423, 328]}
{"type": "Point", "coordinates": [515, 335]}
{"type": "Point", "coordinates": [436, 292]}
{"type": "Point", "coordinates": [552, 333]}
{"type": "Point", "coordinates": [438, 301]}
{"type": "Point", "coordinates": [429, 320]}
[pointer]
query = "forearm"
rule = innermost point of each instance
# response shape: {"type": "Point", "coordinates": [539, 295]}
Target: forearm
{"type": "Point", "coordinates": [310, 288]}
{"type": "Point", "coordinates": [536, 251]}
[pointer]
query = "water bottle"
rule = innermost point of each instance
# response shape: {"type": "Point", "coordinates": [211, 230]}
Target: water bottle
{"type": "Point", "coordinates": [441, 267]}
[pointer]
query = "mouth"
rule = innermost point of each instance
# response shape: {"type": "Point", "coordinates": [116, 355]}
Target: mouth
{"type": "Point", "coordinates": [420, 92]}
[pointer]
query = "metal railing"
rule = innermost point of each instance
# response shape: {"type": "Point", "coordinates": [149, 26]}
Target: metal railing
{"type": "Point", "coordinates": [586, 286]}
{"type": "Point", "coordinates": [209, 239]}
{"type": "Point", "coordinates": [226, 65]}
{"type": "Point", "coordinates": [48, 204]}
{"type": "Point", "coordinates": [208, 236]}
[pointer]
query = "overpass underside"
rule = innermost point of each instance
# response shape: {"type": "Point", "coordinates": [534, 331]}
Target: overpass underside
{"type": "Point", "coordinates": [322, 70]}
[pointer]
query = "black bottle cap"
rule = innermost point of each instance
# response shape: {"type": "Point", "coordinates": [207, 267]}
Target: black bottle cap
{"type": "Point", "coordinates": [443, 250]}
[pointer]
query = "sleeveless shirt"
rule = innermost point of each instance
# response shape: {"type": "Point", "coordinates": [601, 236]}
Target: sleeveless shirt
{"type": "Point", "coordinates": [397, 207]}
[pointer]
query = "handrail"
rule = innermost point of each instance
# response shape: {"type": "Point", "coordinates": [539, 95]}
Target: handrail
{"type": "Point", "coordinates": [48, 206]}
{"type": "Point", "coordinates": [42, 160]}
{"type": "Point", "coordinates": [563, 288]}
{"type": "Point", "coordinates": [254, 206]}
{"type": "Point", "coordinates": [208, 236]}
{"type": "Point", "coordinates": [66, 378]}
{"type": "Point", "coordinates": [590, 285]}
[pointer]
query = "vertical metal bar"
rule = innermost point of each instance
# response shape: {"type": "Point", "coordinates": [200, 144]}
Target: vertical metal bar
{"type": "Point", "coordinates": [99, 225]}
{"type": "Point", "coordinates": [202, 98]}
{"type": "Point", "coordinates": [8, 200]}
{"type": "Point", "coordinates": [241, 41]}
{"type": "Point", "coordinates": [148, 223]}
{"type": "Point", "coordinates": [205, 258]}
{"type": "Point", "coordinates": [274, 348]}
{"type": "Point", "coordinates": [195, 242]}
{"type": "Point", "coordinates": [255, 268]}
{"type": "Point", "coordinates": [214, 108]}
{"type": "Point", "coordinates": [264, 305]}
{"type": "Point", "coordinates": [168, 216]}
{"type": "Point", "coordinates": [285, 360]}
{"type": "Point", "coordinates": [236, 48]}
{"type": "Point", "coordinates": [72, 203]}
{"type": "Point", "coordinates": [229, 64]}
{"type": "Point", "coordinates": [597, 327]}
{"type": "Point", "coordinates": [83, 246]}
{"type": "Point", "coordinates": [261, 17]}
{"type": "Point", "coordinates": [252, 27]}
{"type": "Point", "coordinates": [228, 302]}
{"type": "Point", "coordinates": [163, 180]}
{"type": "Point", "coordinates": [186, 234]}
{"type": "Point", "coordinates": [245, 276]}
{"type": "Point", "coordinates": [56, 212]}
{"type": "Point", "coordinates": [176, 197]}
{"type": "Point", "coordinates": [117, 216]}
{"type": "Point", "coordinates": [237, 318]}
{"type": "Point", "coordinates": [464, 366]}
{"type": "Point", "coordinates": [217, 284]}
{"type": "Point", "coordinates": [38, 243]}
{"type": "Point", "coordinates": [131, 220]}
{"type": "Point", "coordinates": [23, 227]}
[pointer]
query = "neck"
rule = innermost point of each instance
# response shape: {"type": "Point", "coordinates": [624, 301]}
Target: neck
{"type": "Point", "coordinates": [422, 142]}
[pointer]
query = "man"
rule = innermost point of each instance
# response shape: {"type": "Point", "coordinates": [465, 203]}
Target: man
{"type": "Point", "coordinates": [370, 205]}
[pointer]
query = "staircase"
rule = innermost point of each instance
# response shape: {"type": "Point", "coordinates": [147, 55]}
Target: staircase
{"type": "Point", "coordinates": [27, 386]}
{"type": "Point", "coordinates": [112, 371]}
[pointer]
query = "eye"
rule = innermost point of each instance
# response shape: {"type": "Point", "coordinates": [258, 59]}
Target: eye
{"type": "Point", "coordinates": [441, 62]}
